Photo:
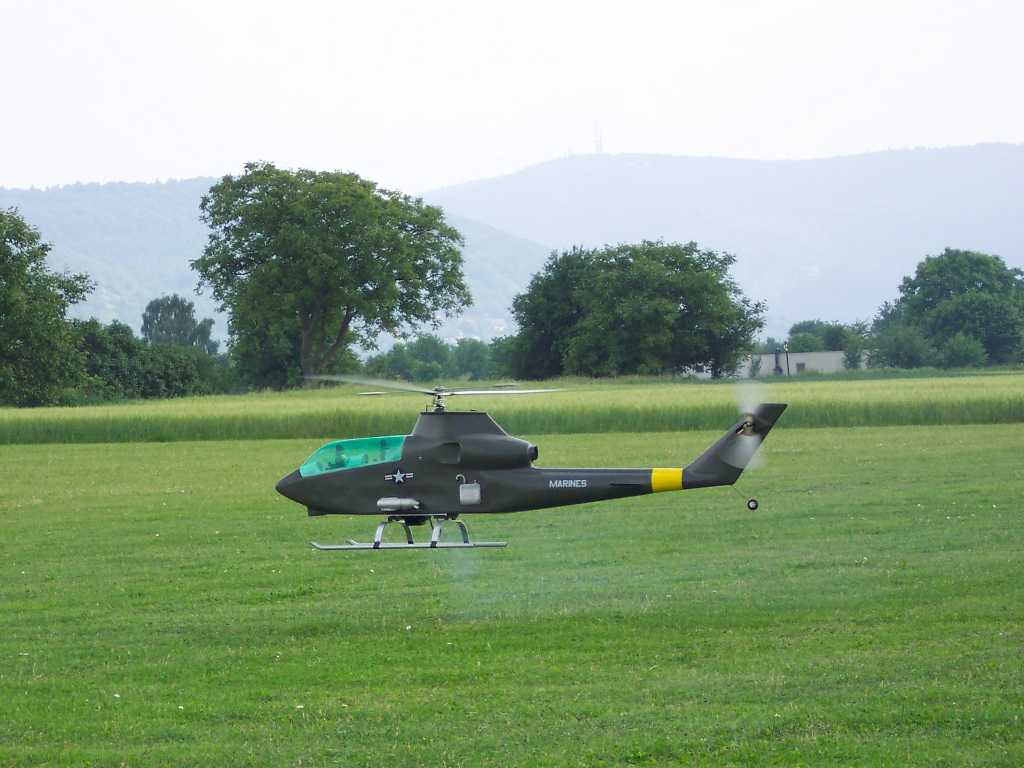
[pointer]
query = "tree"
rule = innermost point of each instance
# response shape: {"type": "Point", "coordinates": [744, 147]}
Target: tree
{"type": "Point", "coordinates": [431, 358]}
{"type": "Point", "coordinates": [649, 307]}
{"type": "Point", "coordinates": [508, 358]}
{"type": "Point", "coordinates": [471, 358]}
{"type": "Point", "coordinates": [806, 342]}
{"type": "Point", "coordinates": [817, 336]}
{"type": "Point", "coordinates": [963, 292]}
{"type": "Point", "coordinates": [815, 327]}
{"type": "Point", "coordinates": [312, 263]}
{"type": "Point", "coordinates": [172, 320]}
{"type": "Point", "coordinates": [901, 346]}
{"type": "Point", "coordinates": [834, 337]}
{"type": "Point", "coordinates": [427, 358]}
{"type": "Point", "coordinates": [546, 314]}
{"type": "Point", "coordinates": [767, 346]}
{"type": "Point", "coordinates": [994, 321]}
{"type": "Point", "coordinates": [38, 355]}
{"type": "Point", "coordinates": [111, 356]}
{"type": "Point", "coordinates": [855, 345]}
{"type": "Point", "coordinates": [962, 351]}
{"type": "Point", "coordinates": [120, 366]}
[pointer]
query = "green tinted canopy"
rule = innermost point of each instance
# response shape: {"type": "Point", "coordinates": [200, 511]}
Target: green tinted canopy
{"type": "Point", "coordinates": [349, 454]}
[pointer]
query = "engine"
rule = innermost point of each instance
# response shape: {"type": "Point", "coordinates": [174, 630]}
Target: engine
{"type": "Point", "coordinates": [490, 452]}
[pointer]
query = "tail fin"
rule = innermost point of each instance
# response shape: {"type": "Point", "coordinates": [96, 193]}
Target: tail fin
{"type": "Point", "coordinates": [724, 462]}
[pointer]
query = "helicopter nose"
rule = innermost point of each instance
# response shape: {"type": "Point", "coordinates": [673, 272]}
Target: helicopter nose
{"type": "Point", "coordinates": [288, 486]}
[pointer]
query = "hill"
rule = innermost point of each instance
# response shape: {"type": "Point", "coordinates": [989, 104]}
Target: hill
{"type": "Point", "coordinates": [826, 238]}
{"type": "Point", "coordinates": [136, 240]}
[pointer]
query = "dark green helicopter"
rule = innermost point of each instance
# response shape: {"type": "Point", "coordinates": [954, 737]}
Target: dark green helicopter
{"type": "Point", "coordinates": [457, 462]}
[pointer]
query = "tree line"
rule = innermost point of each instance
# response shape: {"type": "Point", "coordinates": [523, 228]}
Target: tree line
{"type": "Point", "coordinates": [960, 309]}
{"type": "Point", "coordinates": [312, 267]}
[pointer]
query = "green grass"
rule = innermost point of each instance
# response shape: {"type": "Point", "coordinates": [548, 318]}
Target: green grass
{"type": "Point", "coordinates": [585, 406]}
{"type": "Point", "coordinates": [159, 606]}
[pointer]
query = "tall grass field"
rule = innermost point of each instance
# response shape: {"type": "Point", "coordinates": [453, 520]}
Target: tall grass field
{"type": "Point", "coordinates": [582, 407]}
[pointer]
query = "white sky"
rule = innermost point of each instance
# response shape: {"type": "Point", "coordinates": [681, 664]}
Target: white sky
{"type": "Point", "coordinates": [421, 94]}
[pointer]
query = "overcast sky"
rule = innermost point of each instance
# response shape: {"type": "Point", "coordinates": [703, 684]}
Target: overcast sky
{"type": "Point", "coordinates": [421, 94]}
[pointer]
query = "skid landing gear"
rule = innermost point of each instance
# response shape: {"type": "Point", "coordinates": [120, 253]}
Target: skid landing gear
{"type": "Point", "coordinates": [436, 522]}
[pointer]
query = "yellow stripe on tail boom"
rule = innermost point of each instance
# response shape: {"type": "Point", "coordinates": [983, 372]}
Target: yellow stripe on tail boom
{"type": "Point", "coordinates": [666, 479]}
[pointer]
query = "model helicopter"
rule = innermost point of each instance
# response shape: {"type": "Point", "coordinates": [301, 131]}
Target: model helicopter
{"type": "Point", "coordinates": [456, 462]}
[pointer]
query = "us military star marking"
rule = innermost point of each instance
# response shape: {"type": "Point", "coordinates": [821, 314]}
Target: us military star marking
{"type": "Point", "coordinates": [399, 477]}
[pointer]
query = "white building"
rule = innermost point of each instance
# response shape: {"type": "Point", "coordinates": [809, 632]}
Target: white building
{"type": "Point", "coordinates": [791, 363]}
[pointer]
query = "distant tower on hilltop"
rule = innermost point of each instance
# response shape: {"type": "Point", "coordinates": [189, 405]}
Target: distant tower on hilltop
{"type": "Point", "coordinates": [598, 143]}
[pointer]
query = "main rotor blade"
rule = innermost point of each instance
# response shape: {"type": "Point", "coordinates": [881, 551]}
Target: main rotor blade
{"type": "Point", "coordinates": [376, 383]}
{"type": "Point", "coordinates": [450, 392]}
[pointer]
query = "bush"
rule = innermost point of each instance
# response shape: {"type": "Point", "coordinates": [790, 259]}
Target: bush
{"type": "Point", "coordinates": [853, 354]}
{"type": "Point", "coordinates": [119, 366]}
{"type": "Point", "coordinates": [806, 342]}
{"type": "Point", "coordinates": [901, 346]}
{"type": "Point", "coordinates": [962, 351]}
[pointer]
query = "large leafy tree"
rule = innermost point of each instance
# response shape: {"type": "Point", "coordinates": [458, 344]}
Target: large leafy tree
{"type": "Point", "coordinates": [546, 313]}
{"type": "Point", "coordinates": [311, 263]}
{"type": "Point", "coordinates": [38, 352]}
{"type": "Point", "coordinates": [172, 320]}
{"type": "Point", "coordinates": [650, 307]}
{"type": "Point", "coordinates": [962, 292]}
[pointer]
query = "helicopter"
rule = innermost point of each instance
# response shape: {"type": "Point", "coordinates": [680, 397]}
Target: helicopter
{"type": "Point", "coordinates": [457, 462]}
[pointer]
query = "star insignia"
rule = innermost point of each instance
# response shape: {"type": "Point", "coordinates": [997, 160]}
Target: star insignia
{"type": "Point", "coordinates": [398, 476]}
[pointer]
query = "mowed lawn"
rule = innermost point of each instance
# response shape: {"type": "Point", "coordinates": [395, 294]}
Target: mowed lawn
{"type": "Point", "coordinates": [159, 605]}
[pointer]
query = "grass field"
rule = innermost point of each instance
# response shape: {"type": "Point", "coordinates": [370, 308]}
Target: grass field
{"type": "Point", "coordinates": [159, 606]}
{"type": "Point", "coordinates": [585, 406]}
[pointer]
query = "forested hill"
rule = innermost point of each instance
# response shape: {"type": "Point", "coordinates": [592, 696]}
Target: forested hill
{"type": "Point", "coordinates": [824, 238]}
{"type": "Point", "coordinates": [817, 238]}
{"type": "Point", "coordinates": [136, 240]}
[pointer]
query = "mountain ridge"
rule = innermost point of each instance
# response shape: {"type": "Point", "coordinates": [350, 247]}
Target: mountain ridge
{"type": "Point", "coordinates": [135, 240]}
{"type": "Point", "coordinates": [826, 238]}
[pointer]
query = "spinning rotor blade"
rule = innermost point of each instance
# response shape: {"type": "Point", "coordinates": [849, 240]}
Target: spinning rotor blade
{"type": "Point", "coordinates": [402, 386]}
{"type": "Point", "coordinates": [742, 452]}
{"type": "Point", "coordinates": [749, 394]}
{"type": "Point", "coordinates": [450, 392]}
{"type": "Point", "coordinates": [380, 383]}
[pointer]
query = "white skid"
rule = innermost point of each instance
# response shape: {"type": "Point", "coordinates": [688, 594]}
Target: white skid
{"type": "Point", "coordinates": [353, 545]}
{"type": "Point", "coordinates": [436, 521]}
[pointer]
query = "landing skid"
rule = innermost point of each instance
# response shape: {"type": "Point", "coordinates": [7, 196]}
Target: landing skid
{"type": "Point", "coordinates": [436, 521]}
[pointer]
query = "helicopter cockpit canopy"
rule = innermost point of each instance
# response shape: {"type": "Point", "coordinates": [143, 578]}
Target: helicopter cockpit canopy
{"type": "Point", "coordinates": [350, 454]}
